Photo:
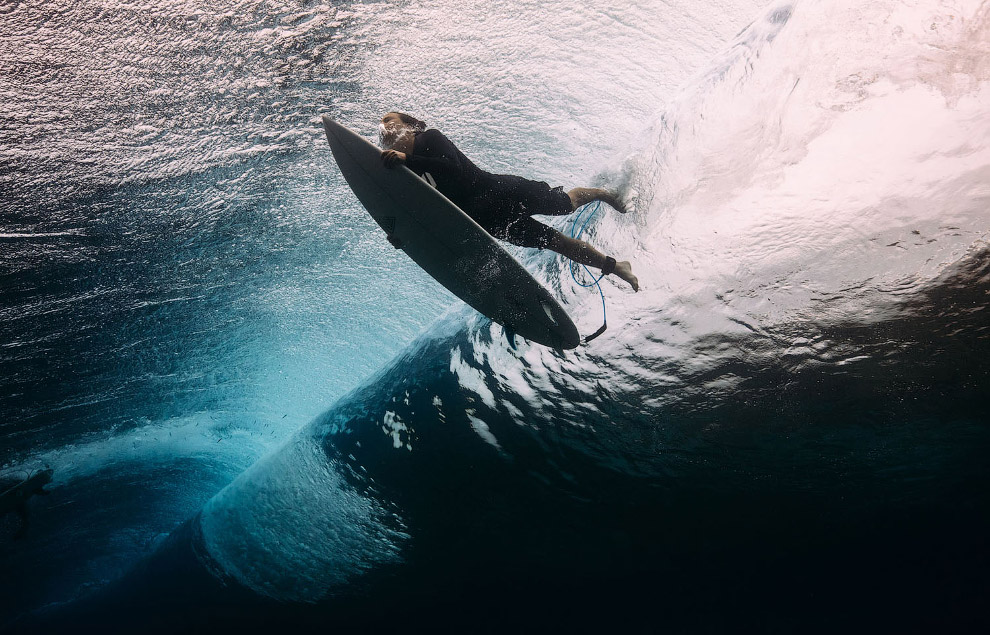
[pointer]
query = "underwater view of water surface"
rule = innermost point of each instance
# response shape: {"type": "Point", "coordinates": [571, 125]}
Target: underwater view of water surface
{"type": "Point", "coordinates": [258, 414]}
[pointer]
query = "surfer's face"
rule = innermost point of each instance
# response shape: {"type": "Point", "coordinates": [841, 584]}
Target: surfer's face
{"type": "Point", "coordinates": [391, 129]}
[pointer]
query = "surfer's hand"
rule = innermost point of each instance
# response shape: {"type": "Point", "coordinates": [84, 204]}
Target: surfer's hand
{"type": "Point", "coordinates": [392, 158]}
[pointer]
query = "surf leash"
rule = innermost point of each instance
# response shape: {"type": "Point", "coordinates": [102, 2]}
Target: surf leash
{"type": "Point", "coordinates": [595, 281]}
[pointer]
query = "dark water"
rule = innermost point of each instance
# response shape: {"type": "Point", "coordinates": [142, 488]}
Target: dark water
{"type": "Point", "coordinates": [829, 498]}
{"type": "Point", "coordinates": [252, 427]}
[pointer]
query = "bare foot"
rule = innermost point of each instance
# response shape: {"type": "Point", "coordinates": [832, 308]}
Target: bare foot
{"type": "Point", "coordinates": [613, 199]}
{"type": "Point", "coordinates": [583, 195]}
{"type": "Point", "coordinates": [624, 270]}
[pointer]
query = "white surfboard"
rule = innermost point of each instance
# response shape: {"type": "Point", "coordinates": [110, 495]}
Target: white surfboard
{"type": "Point", "coordinates": [448, 244]}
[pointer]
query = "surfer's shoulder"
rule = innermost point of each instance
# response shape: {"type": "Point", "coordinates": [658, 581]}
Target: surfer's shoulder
{"type": "Point", "coordinates": [430, 141]}
{"type": "Point", "coordinates": [430, 134]}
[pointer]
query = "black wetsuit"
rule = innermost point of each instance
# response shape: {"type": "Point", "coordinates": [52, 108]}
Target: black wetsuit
{"type": "Point", "coordinates": [501, 203]}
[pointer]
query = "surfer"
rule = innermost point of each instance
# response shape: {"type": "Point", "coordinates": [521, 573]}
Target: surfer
{"type": "Point", "coordinates": [501, 203]}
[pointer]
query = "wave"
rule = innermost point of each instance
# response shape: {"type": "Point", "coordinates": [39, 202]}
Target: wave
{"type": "Point", "coordinates": [806, 359]}
{"type": "Point", "coordinates": [864, 193]}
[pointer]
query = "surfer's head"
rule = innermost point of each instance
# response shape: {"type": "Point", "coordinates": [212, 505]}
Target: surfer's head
{"type": "Point", "coordinates": [395, 125]}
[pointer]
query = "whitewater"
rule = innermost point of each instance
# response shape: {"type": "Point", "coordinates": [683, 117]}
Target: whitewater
{"type": "Point", "coordinates": [255, 408]}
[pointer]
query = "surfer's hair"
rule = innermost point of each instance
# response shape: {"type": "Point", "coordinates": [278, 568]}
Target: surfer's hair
{"type": "Point", "coordinates": [417, 124]}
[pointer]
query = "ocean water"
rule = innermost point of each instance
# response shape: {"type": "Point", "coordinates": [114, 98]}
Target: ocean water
{"type": "Point", "coordinates": [259, 414]}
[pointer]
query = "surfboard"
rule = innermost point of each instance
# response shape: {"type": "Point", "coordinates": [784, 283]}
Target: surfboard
{"type": "Point", "coordinates": [448, 244]}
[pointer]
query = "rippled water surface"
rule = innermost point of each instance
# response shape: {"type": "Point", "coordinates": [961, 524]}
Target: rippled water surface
{"type": "Point", "coordinates": [792, 407]}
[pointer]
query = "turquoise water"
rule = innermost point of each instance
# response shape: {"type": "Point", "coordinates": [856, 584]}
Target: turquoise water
{"type": "Point", "coordinates": [205, 336]}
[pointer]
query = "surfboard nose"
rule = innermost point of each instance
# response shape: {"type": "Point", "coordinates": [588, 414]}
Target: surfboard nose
{"type": "Point", "coordinates": [331, 127]}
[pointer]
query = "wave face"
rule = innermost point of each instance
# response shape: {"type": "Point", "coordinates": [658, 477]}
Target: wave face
{"type": "Point", "coordinates": [793, 397]}
{"type": "Point", "coordinates": [785, 425]}
{"type": "Point", "coordinates": [185, 278]}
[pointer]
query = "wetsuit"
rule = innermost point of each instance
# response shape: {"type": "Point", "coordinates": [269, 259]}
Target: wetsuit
{"type": "Point", "coordinates": [500, 203]}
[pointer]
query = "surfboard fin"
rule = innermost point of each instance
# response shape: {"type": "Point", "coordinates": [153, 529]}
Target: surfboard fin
{"type": "Point", "coordinates": [388, 224]}
{"type": "Point", "coordinates": [511, 336]}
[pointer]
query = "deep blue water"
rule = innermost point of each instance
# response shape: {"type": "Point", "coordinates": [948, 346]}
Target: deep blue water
{"type": "Point", "coordinates": [260, 415]}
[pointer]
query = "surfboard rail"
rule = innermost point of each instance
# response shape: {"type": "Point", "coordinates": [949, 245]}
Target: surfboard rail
{"type": "Point", "coordinates": [448, 244]}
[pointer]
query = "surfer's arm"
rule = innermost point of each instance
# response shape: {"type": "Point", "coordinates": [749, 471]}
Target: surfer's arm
{"type": "Point", "coordinates": [433, 152]}
{"type": "Point", "coordinates": [418, 163]}
{"type": "Point", "coordinates": [392, 158]}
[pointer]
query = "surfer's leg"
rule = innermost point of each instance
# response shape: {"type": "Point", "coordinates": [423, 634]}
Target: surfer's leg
{"type": "Point", "coordinates": [583, 195]}
{"type": "Point", "coordinates": [584, 254]}
{"type": "Point", "coordinates": [529, 232]}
